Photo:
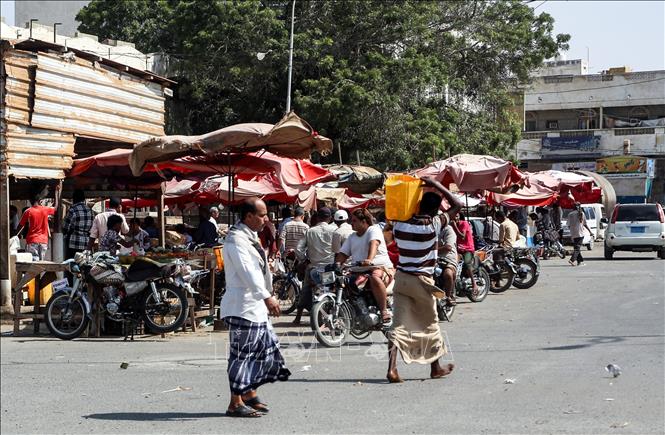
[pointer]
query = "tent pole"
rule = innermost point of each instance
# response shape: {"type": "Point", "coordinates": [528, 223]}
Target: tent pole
{"type": "Point", "coordinates": [162, 219]}
{"type": "Point", "coordinates": [5, 262]}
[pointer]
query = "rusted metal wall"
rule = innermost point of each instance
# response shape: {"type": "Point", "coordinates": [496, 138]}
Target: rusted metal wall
{"type": "Point", "coordinates": [82, 97]}
{"type": "Point", "coordinates": [50, 99]}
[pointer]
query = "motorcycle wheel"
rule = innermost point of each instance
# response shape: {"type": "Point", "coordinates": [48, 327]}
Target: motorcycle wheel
{"type": "Point", "coordinates": [444, 311]}
{"type": "Point", "coordinates": [168, 315]}
{"type": "Point", "coordinates": [66, 320]}
{"type": "Point", "coordinates": [330, 329]}
{"type": "Point", "coordinates": [502, 281]}
{"type": "Point", "coordinates": [287, 293]}
{"type": "Point", "coordinates": [483, 283]}
{"type": "Point", "coordinates": [527, 274]}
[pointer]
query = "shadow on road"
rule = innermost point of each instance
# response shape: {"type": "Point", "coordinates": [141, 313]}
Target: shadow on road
{"type": "Point", "coordinates": [591, 341]}
{"type": "Point", "coordinates": [154, 416]}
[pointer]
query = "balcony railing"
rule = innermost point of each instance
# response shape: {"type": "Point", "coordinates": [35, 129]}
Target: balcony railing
{"type": "Point", "coordinates": [589, 132]}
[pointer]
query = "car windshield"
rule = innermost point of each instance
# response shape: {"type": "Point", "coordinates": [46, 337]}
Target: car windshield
{"type": "Point", "coordinates": [566, 211]}
{"type": "Point", "coordinates": [638, 213]}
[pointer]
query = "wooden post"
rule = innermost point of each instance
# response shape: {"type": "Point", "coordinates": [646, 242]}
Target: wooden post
{"type": "Point", "coordinates": [5, 280]}
{"type": "Point", "coordinates": [162, 220]}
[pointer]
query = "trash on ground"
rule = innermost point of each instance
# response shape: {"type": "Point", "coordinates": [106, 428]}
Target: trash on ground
{"type": "Point", "coordinates": [509, 381]}
{"type": "Point", "coordinates": [178, 388]}
{"type": "Point", "coordinates": [609, 399]}
{"type": "Point", "coordinates": [613, 369]}
{"type": "Point", "coordinates": [305, 368]}
{"type": "Point", "coordinates": [124, 365]}
{"type": "Point", "coordinates": [618, 425]}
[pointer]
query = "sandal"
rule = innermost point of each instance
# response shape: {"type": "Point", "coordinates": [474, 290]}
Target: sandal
{"type": "Point", "coordinates": [243, 411]}
{"type": "Point", "coordinates": [256, 403]}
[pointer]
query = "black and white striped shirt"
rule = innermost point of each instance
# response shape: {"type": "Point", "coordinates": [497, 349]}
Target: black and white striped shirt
{"type": "Point", "coordinates": [417, 240]}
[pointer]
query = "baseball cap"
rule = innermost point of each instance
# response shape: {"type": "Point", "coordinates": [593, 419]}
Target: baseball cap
{"type": "Point", "coordinates": [341, 215]}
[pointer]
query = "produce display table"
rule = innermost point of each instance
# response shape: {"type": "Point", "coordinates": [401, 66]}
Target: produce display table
{"type": "Point", "coordinates": [40, 271]}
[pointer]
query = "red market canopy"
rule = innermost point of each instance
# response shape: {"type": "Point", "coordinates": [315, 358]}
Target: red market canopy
{"type": "Point", "coordinates": [471, 173]}
{"type": "Point", "coordinates": [570, 186]}
{"type": "Point", "coordinates": [290, 137]}
{"type": "Point", "coordinates": [533, 195]}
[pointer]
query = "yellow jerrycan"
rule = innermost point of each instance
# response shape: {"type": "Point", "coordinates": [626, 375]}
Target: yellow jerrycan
{"type": "Point", "coordinates": [403, 194]}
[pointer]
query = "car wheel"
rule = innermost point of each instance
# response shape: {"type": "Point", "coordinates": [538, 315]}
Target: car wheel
{"type": "Point", "coordinates": [609, 253]}
{"type": "Point", "coordinates": [661, 253]}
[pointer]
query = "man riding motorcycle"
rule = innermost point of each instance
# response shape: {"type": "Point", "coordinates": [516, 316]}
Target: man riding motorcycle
{"type": "Point", "coordinates": [368, 247]}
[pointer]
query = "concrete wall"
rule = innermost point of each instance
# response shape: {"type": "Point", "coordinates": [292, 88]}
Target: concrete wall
{"type": "Point", "coordinates": [611, 143]}
{"type": "Point", "coordinates": [49, 12]}
{"type": "Point", "coordinates": [592, 91]}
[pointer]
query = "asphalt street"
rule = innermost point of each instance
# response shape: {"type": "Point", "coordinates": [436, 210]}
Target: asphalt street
{"type": "Point", "coordinates": [527, 361]}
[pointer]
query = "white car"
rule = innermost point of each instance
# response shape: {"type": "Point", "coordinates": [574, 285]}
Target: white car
{"type": "Point", "coordinates": [636, 228]}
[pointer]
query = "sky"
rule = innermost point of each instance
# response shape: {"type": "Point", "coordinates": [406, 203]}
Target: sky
{"type": "Point", "coordinates": [617, 33]}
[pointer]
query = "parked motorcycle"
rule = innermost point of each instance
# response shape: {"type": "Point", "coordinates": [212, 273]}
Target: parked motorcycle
{"type": "Point", "coordinates": [555, 248]}
{"type": "Point", "coordinates": [286, 286]}
{"type": "Point", "coordinates": [463, 285]}
{"type": "Point", "coordinates": [343, 306]}
{"type": "Point", "coordinates": [501, 270]}
{"type": "Point", "coordinates": [527, 267]}
{"type": "Point", "coordinates": [146, 290]}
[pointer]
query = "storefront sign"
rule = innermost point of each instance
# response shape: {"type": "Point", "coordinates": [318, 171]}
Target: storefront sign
{"type": "Point", "coordinates": [575, 166]}
{"type": "Point", "coordinates": [570, 145]}
{"type": "Point", "coordinates": [621, 165]}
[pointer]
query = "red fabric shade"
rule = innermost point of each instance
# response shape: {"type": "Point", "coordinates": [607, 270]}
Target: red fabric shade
{"type": "Point", "coordinates": [471, 172]}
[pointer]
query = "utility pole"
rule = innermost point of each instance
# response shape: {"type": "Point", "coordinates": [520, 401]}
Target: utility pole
{"type": "Point", "coordinates": [288, 90]}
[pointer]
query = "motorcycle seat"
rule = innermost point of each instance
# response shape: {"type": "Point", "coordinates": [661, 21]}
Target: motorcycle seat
{"type": "Point", "coordinates": [143, 269]}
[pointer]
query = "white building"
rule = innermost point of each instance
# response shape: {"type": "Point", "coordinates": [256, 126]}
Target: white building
{"type": "Point", "coordinates": [572, 118]}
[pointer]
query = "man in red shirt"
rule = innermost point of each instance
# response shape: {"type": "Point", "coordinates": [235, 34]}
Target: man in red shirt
{"type": "Point", "coordinates": [38, 233]}
{"type": "Point", "coordinates": [465, 246]}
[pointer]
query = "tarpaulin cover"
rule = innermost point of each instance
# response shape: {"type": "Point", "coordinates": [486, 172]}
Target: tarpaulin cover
{"type": "Point", "coordinates": [359, 179]}
{"type": "Point", "coordinates": [571, 187]}
{"type": "Point", "coordinates": [290, 137]}
{"type": "Point", "coordinates": [533, 195]}
{"type": "Point", "coordinates": [472, 172]}
{"type": "Point", "coordinates": [351, 201]}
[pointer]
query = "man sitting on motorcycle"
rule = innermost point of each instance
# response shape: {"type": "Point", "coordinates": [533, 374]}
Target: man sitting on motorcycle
{"type": "Point", "coordinates": [448, 252]}
{"type": "Point", "coordinates": [368, 247]}
{"type": "Point", "coordinates": [465, 246]}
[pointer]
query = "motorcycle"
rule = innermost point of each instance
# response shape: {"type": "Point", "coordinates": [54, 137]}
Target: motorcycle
{"type": "Point", "coordinates": [146, 290]}
{"type": "Point", "coordinates": [500, 269]}
{"type": "Point", "coordinates": [552, 249]}
{"type": "Point", "coordinates": [343, 306]}
{"type": "Point", "coordinates": [463, 285]}
{"type": "Point", "coordinates": [527, 267]}
{"type": "Point", "coordinates": [286, 286]}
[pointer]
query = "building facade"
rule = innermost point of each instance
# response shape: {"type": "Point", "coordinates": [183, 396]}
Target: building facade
{"type": "Point", "coordinates": [573, 120]}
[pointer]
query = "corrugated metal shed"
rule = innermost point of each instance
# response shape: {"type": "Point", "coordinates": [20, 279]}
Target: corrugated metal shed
{"type": "Point", "coordinates": [49, 98]}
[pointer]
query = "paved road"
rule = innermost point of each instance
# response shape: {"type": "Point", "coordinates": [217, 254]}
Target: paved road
{"type": "Point", "coordinates": [553, 340]}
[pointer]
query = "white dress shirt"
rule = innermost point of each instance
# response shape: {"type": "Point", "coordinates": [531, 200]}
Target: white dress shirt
{"type": "Point", "coordinates": [246, 283]}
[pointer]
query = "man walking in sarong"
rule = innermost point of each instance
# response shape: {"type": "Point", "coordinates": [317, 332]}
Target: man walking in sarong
{"type": "Point", "coordinates": [415, 331]}
{"type": "Point", "coordinates": [254, 356]}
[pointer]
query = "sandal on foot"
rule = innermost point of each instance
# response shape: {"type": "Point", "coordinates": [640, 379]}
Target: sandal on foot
{"type": "Point", "coordinates": [256, 403]}
{"type": "Point", "coordinates": [243, 411]}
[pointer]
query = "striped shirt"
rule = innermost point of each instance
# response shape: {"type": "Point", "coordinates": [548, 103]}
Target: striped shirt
{"type": "Point", "coordinates": [417, 240]}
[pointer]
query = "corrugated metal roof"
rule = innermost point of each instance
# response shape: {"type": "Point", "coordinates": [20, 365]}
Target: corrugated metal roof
{"type": "Point", "coordinates": [49, 99]}
{"type": "Point", "coordinates": [80, 97]}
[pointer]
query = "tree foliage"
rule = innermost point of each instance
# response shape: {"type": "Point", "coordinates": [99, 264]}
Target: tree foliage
{"type": "Point", "coordinates": [400, 81]}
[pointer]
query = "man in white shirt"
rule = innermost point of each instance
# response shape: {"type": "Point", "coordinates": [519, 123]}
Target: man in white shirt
{"type": "Point", "coordinates": [343, 231]}
{"type": "Point", "coordinates": [99, 227]}
{"type": "Point", "coordinates": [368, 247]}
{"type": "Point", "coordinates": [316, 247]}
{"type": "Point", "coordinates": [254, 357]}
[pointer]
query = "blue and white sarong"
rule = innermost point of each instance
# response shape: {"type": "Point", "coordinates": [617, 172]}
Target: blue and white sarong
{"type": "Point", "coordinates": [254, 356]}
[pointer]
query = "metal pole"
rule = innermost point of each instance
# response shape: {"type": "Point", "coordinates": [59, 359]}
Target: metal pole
{"type": "Point", "coordinates": [55, 25]}
{"type": "Point", "coordinates": [288, 89]}
{"type": "Point", "coordinates": [32, 20]}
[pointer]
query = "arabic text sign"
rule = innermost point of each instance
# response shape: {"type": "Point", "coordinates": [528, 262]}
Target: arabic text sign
{"type": "Point", "coordinates": [572, 144]}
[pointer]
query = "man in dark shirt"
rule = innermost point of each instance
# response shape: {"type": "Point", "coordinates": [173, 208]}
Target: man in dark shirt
{"type": "Point", "coordinates": [206, 233]}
